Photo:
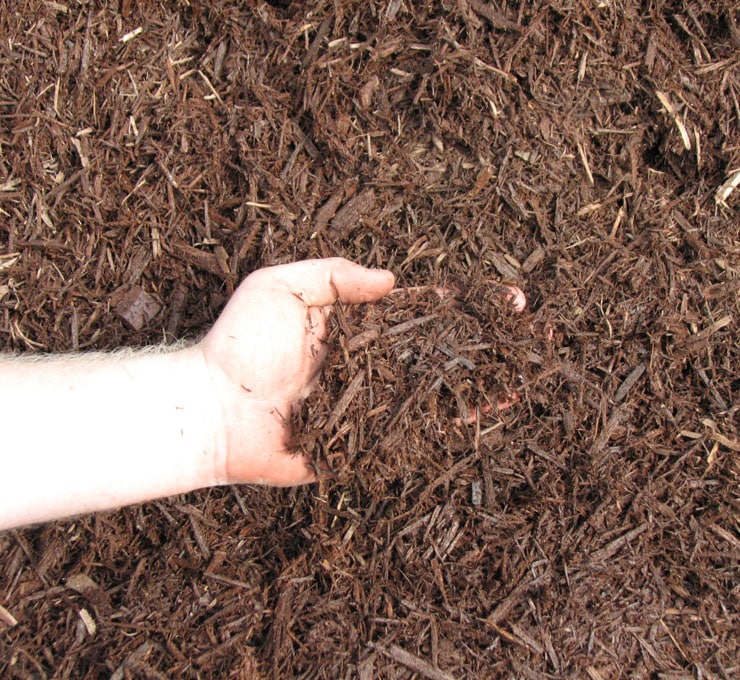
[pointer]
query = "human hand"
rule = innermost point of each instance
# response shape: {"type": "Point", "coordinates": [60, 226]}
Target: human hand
{"type": "Point", "coordinates": [264, 355]}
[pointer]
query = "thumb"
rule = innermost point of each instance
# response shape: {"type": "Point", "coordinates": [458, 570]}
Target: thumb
{"type": "Point", "coordinates": [322, 282]}
{"type": "Point", "coordinates": [356, 284]}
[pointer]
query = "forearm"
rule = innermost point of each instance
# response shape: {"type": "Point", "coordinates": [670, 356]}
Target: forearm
{"type": "Point", "coordinates": [84, 433]}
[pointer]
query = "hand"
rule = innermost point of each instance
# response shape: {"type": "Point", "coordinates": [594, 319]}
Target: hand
{"type": "Point", "coordinates": [264, 355]}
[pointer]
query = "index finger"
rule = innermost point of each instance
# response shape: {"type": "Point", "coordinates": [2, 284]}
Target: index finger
{"type": "Point", "coordinates": [322, 282]}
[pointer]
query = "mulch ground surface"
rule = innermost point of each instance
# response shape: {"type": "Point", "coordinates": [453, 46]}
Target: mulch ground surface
{"type": "Point", "coordinates": [153, 154]}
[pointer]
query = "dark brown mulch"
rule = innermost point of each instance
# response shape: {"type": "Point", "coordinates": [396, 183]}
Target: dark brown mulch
{"type": "Point", "coordinates": [585, 151]}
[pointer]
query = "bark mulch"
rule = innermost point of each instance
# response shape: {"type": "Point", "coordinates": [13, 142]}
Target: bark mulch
{"type": "Point", "coordinates": [152, 154]}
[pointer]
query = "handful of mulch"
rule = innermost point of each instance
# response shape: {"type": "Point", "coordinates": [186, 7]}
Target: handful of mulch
{"type": "Point", "coordinates": [411, 378]}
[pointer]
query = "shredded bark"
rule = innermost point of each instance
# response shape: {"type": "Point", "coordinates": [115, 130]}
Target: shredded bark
{"type": "Point", "coordinates": [153, 154]}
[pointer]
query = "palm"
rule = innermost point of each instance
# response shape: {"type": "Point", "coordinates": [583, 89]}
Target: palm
{"type": "Point", "coordinates": [265, 352]}
{"type": "Point", "coordinates": [267, 343]}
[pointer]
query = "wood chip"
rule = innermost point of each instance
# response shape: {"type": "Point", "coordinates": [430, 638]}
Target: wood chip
{"type": "Point", "coordinates": [201, 259]}
{"type": "Point", "coordinates": [534, 259]}
{"type": "Point", "coordinates": [629, 382]}
{"type": "Point", "coordinates": [362, 340]}
{"type": "Point", "coordinates": [711, 329]}
{"type": "Point", "coordinates": [89, 622]}
{"type": "Point", "coordinates": [610, 428]}
{"type": "Point", "coordinates": [177, 307]}
{"type": "Point", "coordinates": [353, 212]}
{"type": "Point", "coordinates": [367, 92]}
{"type": "Point", "coordinates": [584, 161]}
{"type": "Point", "coordinates": [484, 176]}
{"type": "Point", "coordinates": [610, 549]}
{"type": "Point", "coordinates": [135, 306]}
{"type": "Point", "coordinates": [725, 535]}
{"type": "Point", "coordinates": [671, 111]}
{"type": "Point", "coordinates": [413, 662]}
{"type": "Point", "coordinates": [504, 607]}
{"type": "Point", "coordinates": [408, 325]}
{"type": "Point", "coordinates": [727, 187]}
{"type": "Point", "coordinates": [719, 437]}
{"type": "Point", "coordinates": [525, 637]}
{"type": "Point", "coordinates": [313, 50]}
{"type": "Point", "coordinates": [345, 400]}
{"type": "Point", "coordinates": [327, 211]}
{"type": "Point", "coordinates": [90, 590]}
{"type": "Point", "coordinates": [502, 266]}
{"type": "Point", "coordinates": [497, 20]}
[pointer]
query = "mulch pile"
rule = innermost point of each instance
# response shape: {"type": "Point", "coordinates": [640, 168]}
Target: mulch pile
{"type": "Point", "coordinates": [153, 154]}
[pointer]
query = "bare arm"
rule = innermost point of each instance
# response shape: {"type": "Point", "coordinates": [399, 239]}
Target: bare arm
{"type": "Point", "coordinates": [90, 432]}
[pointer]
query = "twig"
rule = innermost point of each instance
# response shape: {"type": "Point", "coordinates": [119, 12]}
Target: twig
{"type": "Point", "coordinates": [413, 662]}
{"type": "Point", "coordinates": [509, 602]}
{"type": "Point", "coordinates": [724, 191]}
{"type": "Point", "coordinates": [629, 381]}
{"type": "Point", "coordinates": [584, 162]}
{"type": "Point", "coordinates": [345, 400]}
{"type": "Point", "coordinates": [671, 111]}
{"type": "Point", "coordinates": [408, 325]}
{"type": "Point", "coordinates": [711, 329]}
{"type": "Point", "coordinates": [615, 419]}
{"type": "Point", "coordinates": [612, 548]}
{"type": "Point", "coordinates": [313, 51]}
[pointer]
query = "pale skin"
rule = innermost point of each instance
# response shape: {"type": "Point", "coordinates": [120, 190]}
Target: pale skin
{"type": "Point", "coordinates": [93, 432]}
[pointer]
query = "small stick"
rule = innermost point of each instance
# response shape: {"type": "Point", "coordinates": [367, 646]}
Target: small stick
{"type": "Point", "coordinates": [673, 114]}
{"type": "Point", "coordinates": [407, 325]}
{"type": "Point", "coordinates": [345, 400]}
{"type": "Point", "coordinates": [415, 663]}
{"type": "Point", "coordinates": [629, 381]}
{"type": "Point", "coordinates": [584, 162]}
{"type": "Point", "coordinates": [724, 191]}
{"type": "Point", "coordinates": [614, 546]}
{"type": "Point", "coordinates": [712, 328]}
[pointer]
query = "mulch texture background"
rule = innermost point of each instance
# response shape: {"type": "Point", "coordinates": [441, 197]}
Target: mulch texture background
{"type": "Point", "coordinates": [153, 154]}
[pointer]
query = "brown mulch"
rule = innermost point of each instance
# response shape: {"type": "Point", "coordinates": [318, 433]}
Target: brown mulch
{"type": "Point", "coordinates": [153, 154]}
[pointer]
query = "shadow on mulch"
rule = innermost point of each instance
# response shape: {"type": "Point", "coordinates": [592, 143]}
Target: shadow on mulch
{"type": "Point", "coordinates": [588, 154]}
